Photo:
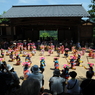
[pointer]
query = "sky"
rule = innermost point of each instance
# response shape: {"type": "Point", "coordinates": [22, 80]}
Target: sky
{"type": "Point", "coordinates": [5, 5]}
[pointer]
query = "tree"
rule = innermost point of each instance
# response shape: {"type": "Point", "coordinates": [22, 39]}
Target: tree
{"type": "Point", "coordinates": [92, 16]}
{"type": "Point", "coordinates": [44, 34]}
{"type": "Point", "coordinates": [92, 10]}
{"type": "Point", "coordinates": [3, 19]}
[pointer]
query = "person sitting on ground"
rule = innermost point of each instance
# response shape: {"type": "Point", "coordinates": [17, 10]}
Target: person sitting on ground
{"type": "Point", "coordinates": [56, 83]}
{"type": "Point", "coordinates": [88, 85]}
{"type": "Point", "coordinates": [5, 80]}
{"type": "Point", "coordinates": [30, 86]}
{"type": "Point", "coordinates": [37, 75]}
{"type": "Point", "coordinates": [73, 87]}
{"type": "Point", "coordinates": [15, 77]}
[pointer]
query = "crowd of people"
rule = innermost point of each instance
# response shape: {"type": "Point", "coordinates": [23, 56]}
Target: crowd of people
{"type": "Point", "coordinates": [34, 84]}
{"type": "Point", "coordinates": [33, 77]}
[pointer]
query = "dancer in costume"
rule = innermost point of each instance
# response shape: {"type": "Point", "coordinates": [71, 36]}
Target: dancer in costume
{"type": "Point", "coordinates": [28, 59]}
{"type": "Point", "coordinates": [62, 49]}
{"type": "Point", "coordinates": [49, 50]}
{"type": "Point", "coordinates": [91, 67]}
{"type": "Point", "coordinates": [65, 71]}
{"type": "Point", "coordinates": [11, 56]}
{"type": "Point", "coordinates": [42, 64]}
{"type": "Point", "coordinates": [18, 60]}
{"type": "Point", "coordinates": [72, 62]}
{"type": "Point", "coordinates": [8, 51]}
{"type": "Point", "coordinates": [2, 53]}
{"type": "Point", "coordinates": [78, 60]}
{"type": "Point", "coordinates": [42, 47]}
{"type": "Point", "coordinates": [90, 53]}
{"type": "Point", "coordinates": [56, 63]}
{"type": "Point", "coordinates": [58, 51]}
{"type": "Point", "coordinates": [52, 49]}
{"type": "Point", "coordinates": [33, 52]}
{"type": "Point", "coordinates": [83, 51]}
{"type": "Point", "coordinates": [26, 69]}
{"type": "Point", "coordinates": [66, 52]}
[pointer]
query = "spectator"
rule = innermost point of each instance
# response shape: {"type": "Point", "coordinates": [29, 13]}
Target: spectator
{"type": "Point", "coordinates": [78, 45]}
{"type": "Point", "coordinates": [15, 78]}
{"type": "Point", "coordinates": [73, 87]}
{"type": "Point", "coordinates": [30, 86]}
{"type": "Point", "coordinates": [88, 85]}
{"type": "Point", "coordinates": [5, 80]}
{"type": "Point", "coordinates": [56, 83]}
{"type": "Point", "coordinates": [37, 75]}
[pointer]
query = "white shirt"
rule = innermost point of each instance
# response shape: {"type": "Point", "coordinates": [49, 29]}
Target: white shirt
{"type": "Point", "coordinates": [57, 84]}
{"type": "Point", "coordinates": [37, 76]}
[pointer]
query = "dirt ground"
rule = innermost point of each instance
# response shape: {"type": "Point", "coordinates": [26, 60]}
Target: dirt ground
{"type": "Point", "coordinates": [50, 64]}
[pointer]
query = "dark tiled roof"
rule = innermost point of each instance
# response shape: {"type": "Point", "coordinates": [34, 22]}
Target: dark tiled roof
{"type": "Point", "coordinates": [74, 10]}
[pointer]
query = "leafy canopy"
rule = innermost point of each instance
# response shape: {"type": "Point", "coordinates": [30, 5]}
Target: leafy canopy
{"type": "Point", "coordinates": [3, 19]}
{"type": "Point", "coordinates": [92, 10]}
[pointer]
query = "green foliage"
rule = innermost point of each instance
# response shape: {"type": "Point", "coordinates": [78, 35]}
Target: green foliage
{"type": "Point", "coordinates": [48, 34]}
{"type": "Point", "coordinates": [92, 10]}
{"type": "Point", "coordinates": [3, 19]}
{"type": "Point", "coordinates": [44, 34]}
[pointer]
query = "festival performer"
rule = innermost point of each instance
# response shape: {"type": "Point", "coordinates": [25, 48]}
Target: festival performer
{"type": "Point", "coordinates": [33, 50]}
{"type": "Point", "coordinates": [1, 61]}
{"type": "Point", "coordinates": [93, 55]}
{"type": "Point", "coordinates": [42, 64]}
{"type": "Point", "coordinates": [75, 52]}
{"type": "Point", "coordinates": [72, 62]}
{"type": "Point", "coordinates": [21, 52]}
{"type": "Point", "coordinates": [78, 60]}
{"type": "Point", "coordinates": [90, 67]}
{"type": "Point", "coordinates": [12, 56]}
{"type": "Point", "coordinates": [83, 50]}
{"type": "Point", "coordinates": [62, 49]}
{"type": "Point", "coordinates": [65, 71]}
{"type": "Point", "coordinates": [24, 54]}
{"type": "Point", "coordinates": [28, 59]}
{"type": "Point", "coordinates": [52, 49]}
{"type": "Point", "coordinates": [49, 50]}
{"type": "Point", "coordinates": [20, 46]}
{"type": "Point", "coordinates": [24, 45]}
{"type": "Point", "coordinates": [18, 60]}
{"type": "Point", "coordinates": [2, 53]}
{"type": "Point", "coordinates": [66, 52]}
{"type": "Point", "coordinates": [73, 49]}
{"type": "Point", "coordinates": [28, 46]}
{"type": "Point", "coordinates": [56, 63]}
{"type": "Point", "coordinates": [90, 53]}
{"type": "Point", "coordinates": [42, 47]}
{"type": "Point", "coordinates": [58, 51]}
{"type": "Point", "coordinates": [26, 69]}
{"type": "Point", "coordinates": [8, 51]}
{"type": "Point", "coordinates": [75, 56]}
